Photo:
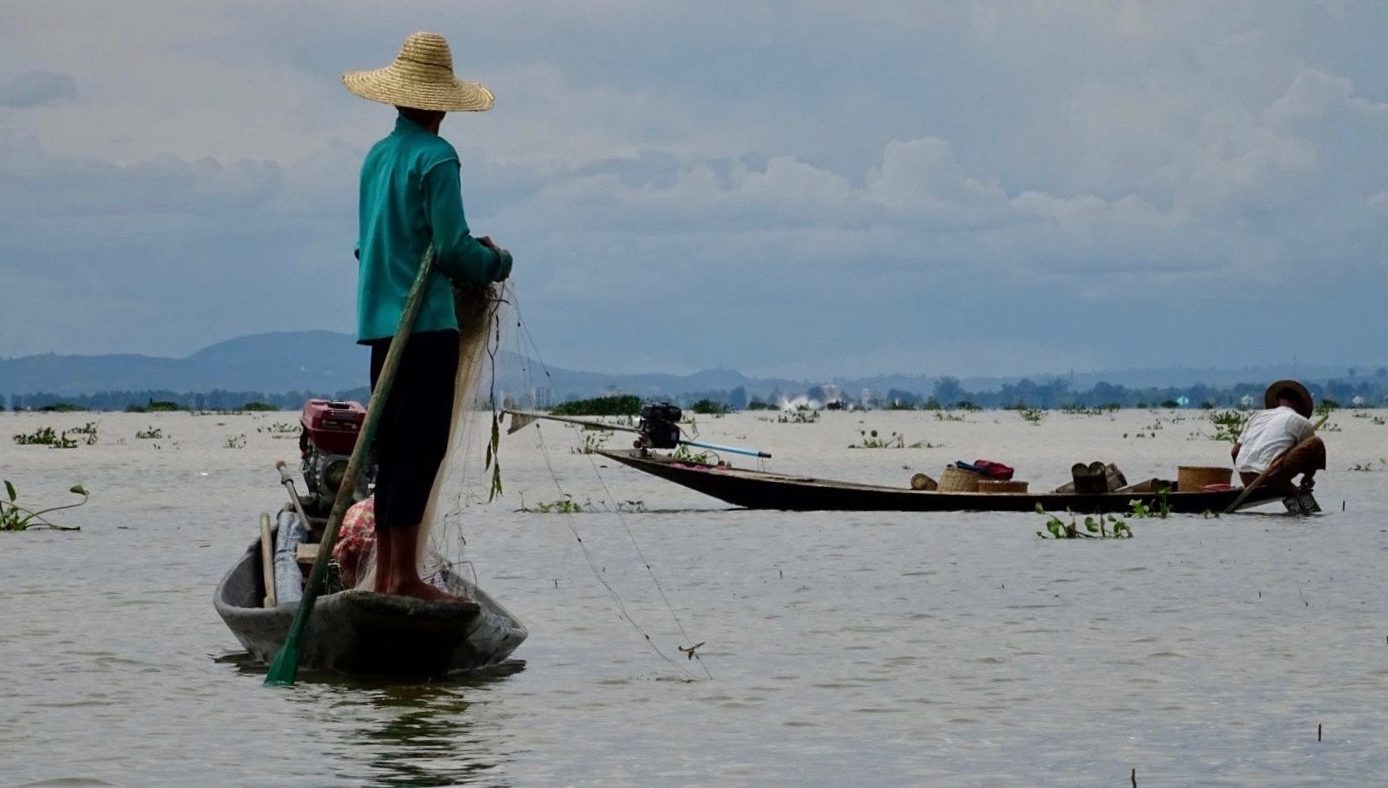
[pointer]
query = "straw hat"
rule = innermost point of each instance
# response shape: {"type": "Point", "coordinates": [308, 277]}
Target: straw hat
{"type": "Point", "coordinates": [1294, 391]}
{"type": "Point", "coordinates": [421, 77]}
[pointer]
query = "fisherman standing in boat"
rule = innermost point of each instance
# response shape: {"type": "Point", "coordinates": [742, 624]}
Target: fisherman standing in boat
{"type": "Point", "coordinates": [411, 197]}
{"type": "Point", "coordinates": [1283, 439]}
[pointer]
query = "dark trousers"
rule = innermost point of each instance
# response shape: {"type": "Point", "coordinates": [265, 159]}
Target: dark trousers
{"type": "Point", "coordinates": [412, 435]}
{"type": "Point", "coordinates": [1305, 457]}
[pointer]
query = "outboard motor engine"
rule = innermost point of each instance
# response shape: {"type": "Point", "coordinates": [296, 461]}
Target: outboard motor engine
{"type": "Point", "coordinates": [659, 426]}
{"type": "Point", "coordinates": [329, 433]}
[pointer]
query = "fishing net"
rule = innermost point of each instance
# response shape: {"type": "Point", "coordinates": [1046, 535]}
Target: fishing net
{"type": "Point", "coordinates": [478, 309]}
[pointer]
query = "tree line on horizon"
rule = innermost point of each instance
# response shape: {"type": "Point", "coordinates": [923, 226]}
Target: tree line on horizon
{"type": "Point", "coordinates": [948, 393]}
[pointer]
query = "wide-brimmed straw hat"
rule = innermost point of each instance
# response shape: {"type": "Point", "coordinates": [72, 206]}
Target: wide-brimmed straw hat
{"type": "Point", "coordinates": [1293, 390]}
{"type": "Point", "coordinates": [421, 77]}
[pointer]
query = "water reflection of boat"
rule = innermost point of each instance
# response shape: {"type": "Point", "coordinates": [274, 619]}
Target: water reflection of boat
{"type": "Point", "coordinates": [754, 489]}
{"type": "Point", "coordinates": [364, 632]}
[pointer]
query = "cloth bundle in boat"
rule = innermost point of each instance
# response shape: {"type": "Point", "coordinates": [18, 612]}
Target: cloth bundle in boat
{"type": "Point", "coordinates": [987, 469]}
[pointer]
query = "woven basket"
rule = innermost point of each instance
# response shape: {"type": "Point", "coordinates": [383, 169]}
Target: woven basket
{"type": "Point", "coordinates": [999, 486]}
{"type": "Point", "coordinates": [958, 480]}
{"type": "Point", "coordinates": [1195, 477]}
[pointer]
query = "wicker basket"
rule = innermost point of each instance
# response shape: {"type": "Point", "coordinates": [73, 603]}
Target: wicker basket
{"type": "Point", "coordinates": [958, 480]}
{"type": "Point", "coordinates": [999, 486]}
{"type": "Point", "coordinates": [1195, 477]}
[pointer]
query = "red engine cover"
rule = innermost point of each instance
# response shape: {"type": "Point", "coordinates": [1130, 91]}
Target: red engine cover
{"type": "Point", "coordinates": [331, 425]}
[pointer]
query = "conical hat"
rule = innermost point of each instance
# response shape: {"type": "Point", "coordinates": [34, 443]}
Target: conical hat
{"type": "Point", "coordinates": [421, 77]}
{"type": "Point", "coordinates": [1294, 391]}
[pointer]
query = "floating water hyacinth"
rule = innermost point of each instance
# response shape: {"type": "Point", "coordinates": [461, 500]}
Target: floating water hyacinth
{"type": "Point", "coordinates": [17, 517]}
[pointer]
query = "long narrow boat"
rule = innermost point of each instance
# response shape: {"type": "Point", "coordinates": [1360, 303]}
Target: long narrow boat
{"type": "Point", "coordinates": [362, 632]}
{"type": "Point", "coordinates": [754, 489]}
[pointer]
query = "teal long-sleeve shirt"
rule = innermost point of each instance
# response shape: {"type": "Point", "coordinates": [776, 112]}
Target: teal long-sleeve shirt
{"type": "Point", "coordinates": [411, 196]}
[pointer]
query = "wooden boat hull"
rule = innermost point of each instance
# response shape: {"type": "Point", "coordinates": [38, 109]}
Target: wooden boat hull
{"type": "Point", "coordinates": [362, 632]}
{"type": "Point", "coordinates": [753, 489]}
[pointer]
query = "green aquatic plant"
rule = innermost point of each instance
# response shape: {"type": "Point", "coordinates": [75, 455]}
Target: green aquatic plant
{"type": "Point", "coordinates": [87, 431]}
{"type": "Point", "coordinates": [235, 441]}
{"type": "Point", "coordinates": [151, 433]}
{"type": "Point", "coordinates": [14, 516]}
{"type": "Point", "coordinates": [1369, 466]}
{"type": "Point", "coordinates": [1228, 424]}
{"type": "Point", "coordinates": [1139, 509]}
{"type": "Point", "coordinates": [871, 440]}
{"type": "Point", "coordinates": [565, 505]}
{"type": "Point", "coordinates": [592, 442]}
{"type": "Point", "coordinates": [46, 436]}
{"type": "Point", "coordinates": [1104, 526]}
{"type": "Point", "coordinates": [683, 452]}
{"type": "Point", "coordinates": [1100, 410]}
{"type": "Point", "coordinates": [1032, 415]}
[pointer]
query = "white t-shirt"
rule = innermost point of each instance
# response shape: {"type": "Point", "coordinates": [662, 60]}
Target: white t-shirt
{"type": "Point", "coordinates": [1267, 434]}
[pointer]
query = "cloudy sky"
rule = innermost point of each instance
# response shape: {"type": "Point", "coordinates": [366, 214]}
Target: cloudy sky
{"type": "Point", "coordinates": [807, 189]}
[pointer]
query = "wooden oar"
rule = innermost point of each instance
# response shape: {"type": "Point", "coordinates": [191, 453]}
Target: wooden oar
{"type": "Point", "coordinates": [1243, 496]}
{"type": "Point", "coordinates": [286, 665]}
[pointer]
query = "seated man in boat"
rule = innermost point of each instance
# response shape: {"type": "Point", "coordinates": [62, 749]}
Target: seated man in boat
{"type": "Point", "coordinates": [410, 199]}
{"type": "Point", "coordinates": [1282, 438]}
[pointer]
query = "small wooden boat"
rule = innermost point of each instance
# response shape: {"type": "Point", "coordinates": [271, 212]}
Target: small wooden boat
{"type": "Point", "coordinates": [362, 632]}
{"type": "Point", "coordinates": [753, 489]}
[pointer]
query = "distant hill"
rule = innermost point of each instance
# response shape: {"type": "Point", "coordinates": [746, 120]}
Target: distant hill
{"type": "Point", "coordinates": [326, 362]}
{"type": "Point", "coordinates": [285, 361]}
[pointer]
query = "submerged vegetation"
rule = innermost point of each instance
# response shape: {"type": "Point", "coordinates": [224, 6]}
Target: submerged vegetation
{"type": "Point", "coordinates": [47, 436]}
{"type": "Point", "coordinates": [567, 505]}
{"type": "Point", "coordinates": [871, 440]}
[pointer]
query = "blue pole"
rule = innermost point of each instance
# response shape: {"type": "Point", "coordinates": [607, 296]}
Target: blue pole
{"type": "Point", "coordinates": [733, 449]}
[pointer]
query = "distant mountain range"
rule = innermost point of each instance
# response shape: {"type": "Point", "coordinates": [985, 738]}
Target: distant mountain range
{"type": "Point", "coordinates": [328, 363]}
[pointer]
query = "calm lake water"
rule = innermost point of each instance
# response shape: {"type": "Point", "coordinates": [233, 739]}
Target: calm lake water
{"type": "Point", "coordinates": [839, 648]}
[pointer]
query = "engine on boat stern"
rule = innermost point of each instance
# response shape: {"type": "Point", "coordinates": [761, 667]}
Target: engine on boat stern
{"type": "Point", "coordinates": [659, 426]}
{"type": "Point", "coordinates": [329, 430]}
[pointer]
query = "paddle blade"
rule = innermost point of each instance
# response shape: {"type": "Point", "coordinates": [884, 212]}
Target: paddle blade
{"type": "Point", "coordinates": [285, 668]}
